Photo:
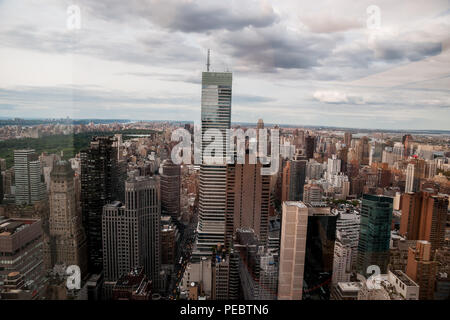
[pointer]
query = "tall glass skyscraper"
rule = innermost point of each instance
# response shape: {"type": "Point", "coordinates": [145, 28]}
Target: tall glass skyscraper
{"type": "Point", "coordinates": [375, 233]}
{"type": "Point", "coordinates": [216, 114]}
{"type": "Point", "coordinates": [99, 185]}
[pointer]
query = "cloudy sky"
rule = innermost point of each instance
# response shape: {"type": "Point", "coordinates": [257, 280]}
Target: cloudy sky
{"type": "Point", "coordinates": [323, 62]}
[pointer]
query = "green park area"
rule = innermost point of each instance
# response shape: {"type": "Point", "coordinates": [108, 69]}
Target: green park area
{"type": "Point", "coordinates": [70, 144]}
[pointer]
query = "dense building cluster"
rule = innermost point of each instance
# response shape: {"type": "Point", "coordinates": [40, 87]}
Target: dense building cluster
{"type": "Point", "coordinates": [349, 215]}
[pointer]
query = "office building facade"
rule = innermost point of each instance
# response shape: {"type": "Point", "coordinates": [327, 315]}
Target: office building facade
{"type": "Point", "coordinates": [131, 231]}
{"type": "Point", "coordinates": [30, 187]}
{"type": "Point", "coordinates": [375, 233]}
{"type": "Point", "coordinates": [99, 184]}
{"type": "Point", "coordinates": [68, 240]}
{"type": "Point", "coordinates": [215, 115]}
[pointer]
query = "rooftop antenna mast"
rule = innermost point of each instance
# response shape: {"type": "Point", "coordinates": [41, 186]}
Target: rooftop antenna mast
{"type": "Point", "coordinates": [207, 61]}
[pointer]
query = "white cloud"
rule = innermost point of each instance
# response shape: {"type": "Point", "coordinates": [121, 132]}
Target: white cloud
{"type": "Point", "coordinates": [286, 56]}
{"type": "Point", "coordinates": [337, 97]}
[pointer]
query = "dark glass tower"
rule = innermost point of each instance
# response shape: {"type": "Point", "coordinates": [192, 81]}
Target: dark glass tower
{"type": "Point", "coordinates": [99, 185]}
{"type": "Point", "coordinates": [297, 179]}
{"type": "Point", "coordinates": [170, 189]}
{"type": "Point", "coordinates": [320, 238]}
{"type": "Point", "coordinates": [375, 233]}
{"type": "Point", "coordinates": [310, 145]}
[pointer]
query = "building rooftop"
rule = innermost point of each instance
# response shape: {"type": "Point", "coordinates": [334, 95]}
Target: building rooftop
{"type": "Point", "coordinates": [114, 204]}
{"type": "Point", "coordinates": [404, 278]}
{"type": "Point", "coordinates": [133, 278]}
{"type": "Point", "coordinates": [166, 219]}
{"type": "Point", "coordinates": [12, 226]}
{"type": "Point", "coordinates": [320, 211]}
{"type": "Point", "coordinates": [299, 204]}
{"type": "Point", "coordinates": [349, 286]}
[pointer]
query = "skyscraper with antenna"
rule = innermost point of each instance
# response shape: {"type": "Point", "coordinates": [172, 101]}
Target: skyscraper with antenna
{"type": "Point", "coordinates": [215, 114]}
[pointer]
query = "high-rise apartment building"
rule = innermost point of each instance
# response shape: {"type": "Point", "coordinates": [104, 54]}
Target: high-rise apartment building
{"type": "Point", "coordinates": [376, 152]}
{"type": "Point", "coordinates": [411, 212]}
{"type": "Point", "coordinates": [99, 185]}
{"type": "Point", "coordinates": [414, 172]}
{"type": "Point", "coordinates": [333, 166]}
{"type": "Point", "coordinates": [410, 186]}
{"type": "Point", "coordinates": [294, 176]}
{"type": "Point", "coordinates": [343, 156]}
{"type": "Point", "coordinates": [348, 139]}
{"type": "Point", "coordinates": [131, 231]}
{"type": "Point", "coordinates": [215, 116]}
{"type": "Point", "coordinates": [375, 233]}
{"type": "Point", "coordinates": [347, 232]}
{"type": "Point", "coordinates": [342, 261]}
{"type": "Point", "coordinates": [407, 139]}
{"type": "Point", "coordinates": [247, 200]}
{"type": "Point", "coordinates": [68, 240]}
{"type": "Point", "coordinates": [424, 217]}
{"type": "Point", "coordinates": [314, 170]}
{"type": "Point", "coordinates": [363, 151]}
{"type": "Point", "coordinates": [312, 193]}
{"type": "Point", "coordinates": [346, 246]}
{"type": "Point", "coordinates": [433, 219]}
{"type": "Point", "coordinates": [310, 146]}
{"type": "Point", "coordinates": [30, 187]}
{"type": "Point", "coordinates": [422, 268]}
{"type": "Point", "coordinates": [170, 189]}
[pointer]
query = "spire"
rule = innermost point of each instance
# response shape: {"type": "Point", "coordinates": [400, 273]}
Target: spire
{"type": "Point", "coordinates": [207, 61]}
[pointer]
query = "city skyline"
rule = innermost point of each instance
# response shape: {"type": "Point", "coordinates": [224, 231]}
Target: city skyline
{"type": "Point", "coordinates": [300, 166]}
{"type": "Point", "coordinates": [290, 68]}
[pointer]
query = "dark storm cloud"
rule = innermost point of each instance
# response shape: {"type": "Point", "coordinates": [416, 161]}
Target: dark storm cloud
{"type": "Point", "coordinates": [196, 18]}
{"type": "Point", "coordinates": [269, 49]}
{"type": "Point", "coordinates": [251, 36]}
{"type": "Point", "coordinates": [147, 48]}
{"type": "Point", "coordinates": [402, 50]}
{"type": "Point", "coordinates": [188, 16]}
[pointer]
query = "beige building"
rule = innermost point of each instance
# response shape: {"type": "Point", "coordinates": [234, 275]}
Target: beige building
{"type": "Point", "coordinates": [21, 252]}
{"type": "Point", "coordinates": [67, 237]}
{"type": "Point", "coordinates": [292, 250]}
